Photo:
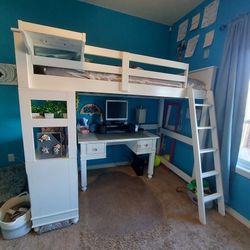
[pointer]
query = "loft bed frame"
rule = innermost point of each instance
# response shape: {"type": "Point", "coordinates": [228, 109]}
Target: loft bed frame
{"type": "Point", "coordinates": [30, 36]}
{"type": "Point", "coordinates": [34, 47]}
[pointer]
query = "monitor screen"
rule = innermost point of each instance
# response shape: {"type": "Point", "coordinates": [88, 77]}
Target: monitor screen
{"type": "Point", "coordinates": [116, 110]}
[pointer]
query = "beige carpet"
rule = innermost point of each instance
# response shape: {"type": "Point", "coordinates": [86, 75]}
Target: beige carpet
{"type": "Point", "coordinates": [123, 211]}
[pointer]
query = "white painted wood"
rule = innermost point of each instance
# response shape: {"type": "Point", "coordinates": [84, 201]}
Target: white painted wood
{"type": "Point", "coordinates": [48, 82]}
{"type": "Point", "coordinates": [215, 143]}
{"type": "Point", "coordinates": [24, 68]}
{"type": "Point", "coordinates": [47, 30]}
{"type": "Point", "coordinates": [102, 68]}
{"type": "Point", "coordinates": [60, 63]}
{"type": "Point", "coordinates": [151, 160]}
{"type": "Point", "coordinates": [204, 127]}
{"type": "Point", "coordinates": [41, 123]}
{"type": "Point", "coordinates": [212, 197]}
{"type": "Point", "coordinates": [125, 72]}
{"type": "Point", "coordinates": [177, 136]}
{"type": "Point", "coordinates": [160, 120]}
{"type": "Point", "coordinates": [209, 174]}
{"type": "Point", "coordinates": [45, 87]}
{"type": "Point", "coordinates": [51, 191]}
{"type": "Point", "coordinates": [97, 51]}
{"type": "Point", "coordinates": [176, 170]}
{"type": "Point", "coordinates": [202, 199]}
{"type": "Point", "coordinates": [93, 146]}
{"type": "Point", "coordinates": [197, 158]}
{"type": "Point", "coordinates": [206, 75]}
{"type": "Point", "coordinates": [207, 150]}
{"type": "Point", "coordinates": [157, 75]}
{"type": "Point", "coordinates": [158, 61]}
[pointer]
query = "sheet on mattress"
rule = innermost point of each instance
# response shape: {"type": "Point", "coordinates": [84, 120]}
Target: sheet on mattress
{"type": "Point", "coordinates": [116, 78]}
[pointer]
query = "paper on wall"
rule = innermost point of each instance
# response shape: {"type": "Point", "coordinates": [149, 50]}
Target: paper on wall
{"type": "Point", "coordinates": [208, 39]}
{"type": "Point", "coordinates": [182, 30]}
{"type": "Point", "coordinates": [191, 46]}
{"type": "Point", "coordinates": [195, 22]}
{"type": "Point", "coordinates": [210, 14]}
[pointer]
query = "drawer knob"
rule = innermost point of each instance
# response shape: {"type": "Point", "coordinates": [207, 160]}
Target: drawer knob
{"type": "Point", "coordinates": [146, 145]}
{"type": "Point", "coordinates": [95, 149]}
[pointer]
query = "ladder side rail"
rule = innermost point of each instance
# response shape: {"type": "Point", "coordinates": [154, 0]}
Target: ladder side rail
{"type": "Point", "coordinates": [197, 158]}
{"type": "Point", "coordinates": [216, 154]}
{"type": "Point", "coordinates": [204, 121]}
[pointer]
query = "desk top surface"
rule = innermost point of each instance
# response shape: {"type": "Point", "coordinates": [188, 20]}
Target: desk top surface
{"type": "Point", "coordinates": [92, 137]}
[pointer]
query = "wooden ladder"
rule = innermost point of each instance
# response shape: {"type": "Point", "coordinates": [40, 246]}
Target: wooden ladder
{"type": "Point", "coordinates": [199, 174]}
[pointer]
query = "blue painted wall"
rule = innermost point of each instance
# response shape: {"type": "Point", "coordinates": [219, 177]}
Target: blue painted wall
{"type": "Point", "coordinates": [104, 28]}
{"type": "Point", "coordinates": [228, 10]}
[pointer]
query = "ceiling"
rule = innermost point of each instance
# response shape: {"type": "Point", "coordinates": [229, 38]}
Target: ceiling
{"type": "Point", "coordinates": [161, 11]}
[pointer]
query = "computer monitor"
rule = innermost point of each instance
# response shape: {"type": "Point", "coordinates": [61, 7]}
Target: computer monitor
{"type": "Point", "coordinates": [116, 110]}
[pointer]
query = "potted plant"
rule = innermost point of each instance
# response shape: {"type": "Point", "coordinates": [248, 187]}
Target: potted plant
{"type": "Point", "coordinates": [63, 108]}
{"type": "Point", "coordinates": [60, 110]}
{"type": "Point", "coordinates": [35, 109]}
{"type": "Point", "coordinates": [49, 109]}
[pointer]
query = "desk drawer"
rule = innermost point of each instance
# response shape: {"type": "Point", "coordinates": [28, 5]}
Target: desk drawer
{"type": "Point", "coordinates": [141, 146]}
{"type": "Point", "coordinates": [144, 144]}
{"type": "Point", "coordinates": [95, 148]}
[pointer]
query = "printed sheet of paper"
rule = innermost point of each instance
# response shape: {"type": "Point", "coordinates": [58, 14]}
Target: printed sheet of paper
{"type": "Point", "coordinates": [191, 46]}
{"type": "Point", "coordinates": [195, 22]}
{"type": "Point", "coordinates": [208, 39]}
{"type": "Point", "coordinates": [210, 14]}
{"type": "Point", "coordinates": [182, 30]}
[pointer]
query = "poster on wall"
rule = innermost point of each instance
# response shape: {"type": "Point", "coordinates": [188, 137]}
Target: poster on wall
{"type": "Point", "coordinates": [209, 37]}
{"type": "Point", "coordinates": [210, 14]}
{"type": "Point", "coordinates": [195, 22]}
{"type": "Point", "coordinates": [191, 46]}
{"type": "Point", "coordinates": [182, 30]}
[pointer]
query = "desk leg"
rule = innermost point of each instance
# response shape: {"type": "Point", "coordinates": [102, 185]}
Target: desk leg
{"type": "Point", "coordinates": [151, 161]}
{"type": "Point", "coordinates": [84, 175]}
{"type": "Point", "coordinates": [151, 165]}
{"type": "Point", "coordinates": [83, 170]}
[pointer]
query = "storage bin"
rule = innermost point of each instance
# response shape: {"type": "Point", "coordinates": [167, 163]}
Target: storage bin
{"type": "Point", "coordinates": [19, 226]}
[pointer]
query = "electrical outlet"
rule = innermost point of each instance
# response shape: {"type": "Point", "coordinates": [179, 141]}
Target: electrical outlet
{"type": "Point", "coordinates": [11, 157]}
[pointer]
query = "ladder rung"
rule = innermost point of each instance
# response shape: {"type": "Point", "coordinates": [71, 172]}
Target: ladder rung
{"type": "Point", "coordinates": [207, 127]}
{"type": "Point", "coordinates": [211, 197]}
{"type": "Point", "coordinates": [207, 150]}
{"type": "Point", "coordinates": [209, 174]}
{"type": "Point", "coordinates": [202, 105]}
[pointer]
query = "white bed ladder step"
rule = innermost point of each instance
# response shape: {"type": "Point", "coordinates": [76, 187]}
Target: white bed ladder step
{"type": "Point", "coordinates": [199, 174]}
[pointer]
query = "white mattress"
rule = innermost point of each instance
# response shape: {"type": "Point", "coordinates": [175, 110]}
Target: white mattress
{"type": "Point", "coordinates": [117, 78]}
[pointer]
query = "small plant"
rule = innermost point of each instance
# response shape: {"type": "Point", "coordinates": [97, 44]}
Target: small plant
{"type": "Point", "coordinates": [63, 107]}
{"type": "Point", "coordinates": [49, 107]}
{"type": "Point", "coordinates": [36, 108]}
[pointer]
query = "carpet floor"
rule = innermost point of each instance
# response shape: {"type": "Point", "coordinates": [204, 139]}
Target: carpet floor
{"type": "Point", "coordinates": [123, 211]}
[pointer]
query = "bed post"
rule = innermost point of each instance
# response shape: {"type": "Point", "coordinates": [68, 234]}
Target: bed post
{"type": "Point", "coordinates": [186, 76]}
{"type": "Point", "coordinates": [125, 72]}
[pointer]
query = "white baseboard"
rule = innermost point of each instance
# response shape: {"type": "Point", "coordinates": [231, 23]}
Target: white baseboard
{"type": "Point", "coordinates": [109, 165]}
{"type": "Point", "coordinates": [238, 216]}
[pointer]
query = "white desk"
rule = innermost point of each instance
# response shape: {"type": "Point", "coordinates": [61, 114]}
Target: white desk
{"type": "Point", "coordinates": [93, 146]}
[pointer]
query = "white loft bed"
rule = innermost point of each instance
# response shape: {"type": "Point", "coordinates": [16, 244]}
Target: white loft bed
{"type": "Point", "coordinates": [125, 79]}
{"type": "Point", "coordinates": [64, 51]}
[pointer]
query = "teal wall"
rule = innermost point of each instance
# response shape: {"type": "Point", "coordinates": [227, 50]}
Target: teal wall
{"type": "Point", "coordinates": [104, 28]}
{"type": "Point", "coordinates": [228, 10]}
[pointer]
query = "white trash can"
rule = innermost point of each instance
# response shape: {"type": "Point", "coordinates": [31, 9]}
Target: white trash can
{"type": "Point", "coordinates": [22, 224]}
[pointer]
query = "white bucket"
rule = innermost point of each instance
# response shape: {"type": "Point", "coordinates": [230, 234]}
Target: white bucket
{"type": "Point", "coordinates": [20, 226]}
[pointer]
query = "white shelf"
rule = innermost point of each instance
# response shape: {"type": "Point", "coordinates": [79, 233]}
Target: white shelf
{"type": "Point", "coordinates": [56, 122]}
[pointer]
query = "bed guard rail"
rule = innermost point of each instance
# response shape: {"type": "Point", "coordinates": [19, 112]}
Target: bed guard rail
{"type": "Point", "coordinates": [53, 47]}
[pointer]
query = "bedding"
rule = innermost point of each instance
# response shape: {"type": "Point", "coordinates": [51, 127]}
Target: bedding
{"type": "Point", "coordinates": [115, 77]}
